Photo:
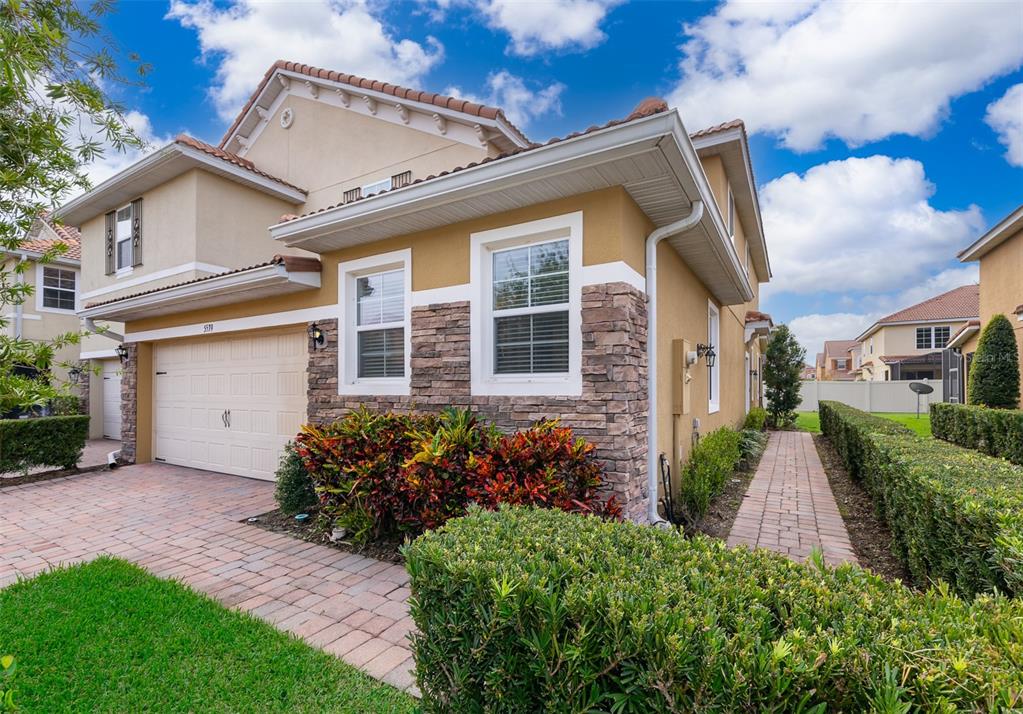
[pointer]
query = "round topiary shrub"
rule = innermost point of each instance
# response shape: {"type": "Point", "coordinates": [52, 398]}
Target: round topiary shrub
{"type": "Point", "coordinates": [295, 492]}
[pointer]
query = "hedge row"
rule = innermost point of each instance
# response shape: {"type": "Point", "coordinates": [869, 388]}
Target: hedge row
{"type": "Point", "coordinates": [955, 514]}
{"type": "Point", "coordinates": [524, 610]}
{"type": "Point", "coordinates": [42, 441]}
{"type": "Point", "coordinates": [996, 432]}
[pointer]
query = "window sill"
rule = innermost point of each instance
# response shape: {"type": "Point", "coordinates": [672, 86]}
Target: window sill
{"type": "Point", "coordinates": [713, 408]}
{"type": "Point", "coordinates": [560, 386]}
{"type": "Point", "coordinates": [55, 310]}
{"type": "Point", "coordinates": [124, 272]}
{"type": "Point", "coordinates": [376, 387]}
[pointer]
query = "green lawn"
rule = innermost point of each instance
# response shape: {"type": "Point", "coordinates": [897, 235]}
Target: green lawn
{"type": "Point", "coordinates": [107, 636]}
{"type": "Point", "coordinates": [811, 421]}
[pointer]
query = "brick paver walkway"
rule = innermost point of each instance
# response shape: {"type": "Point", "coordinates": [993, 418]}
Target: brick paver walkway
{"type": "Point", "coordinates": [789, 507]}
{"type": "Point", "coordinates": [181, 523]}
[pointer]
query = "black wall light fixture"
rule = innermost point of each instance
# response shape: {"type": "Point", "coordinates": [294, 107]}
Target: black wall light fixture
{"type": "Point", "coordinates": [317, 336]}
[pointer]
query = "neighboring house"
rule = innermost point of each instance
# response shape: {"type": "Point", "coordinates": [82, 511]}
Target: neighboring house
{"type": "Point", "coordinates": [1000, 253]}
{"type": "Point", "coordinates": [50, 310]}
{"type": "Point", "coordinates": [438, 258]}
{"type": "Point", "coordinates": [836, 362]}
{"type": "Point", "coordinates": [907, 344]}
{"type": "Point", "coordinates": [808, 372]}
{"type": "Point", "coordinates": [818, 366]}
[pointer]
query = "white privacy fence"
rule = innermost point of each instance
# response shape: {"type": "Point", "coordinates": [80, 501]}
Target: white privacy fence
{"type": "Point", "coordinates": [868, 396]}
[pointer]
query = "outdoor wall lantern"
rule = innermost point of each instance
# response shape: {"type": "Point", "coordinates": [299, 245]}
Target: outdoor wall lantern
{"type": "Point", "coordinates": [753, 373]}
{"type": "Point", "coordinates": [75, 373]}
{"type": "Point", "coordinates": [122, 353]}
{"type": "Point", "coordinates": [707, 351]}
{"type": "Point", "coordinates": [316, 335]}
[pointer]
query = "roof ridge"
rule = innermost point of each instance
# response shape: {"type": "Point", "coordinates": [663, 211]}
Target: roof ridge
{"type": "Point", "coordinates": [930, 300]}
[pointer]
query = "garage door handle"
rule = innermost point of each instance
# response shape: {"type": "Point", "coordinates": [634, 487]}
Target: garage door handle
{"type": "Point", "coordinates": [228, 418]}
{"type": "Point", "coordinates": [223, 418]}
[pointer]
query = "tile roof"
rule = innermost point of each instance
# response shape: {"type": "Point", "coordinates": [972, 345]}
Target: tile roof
{"type": "Point", "coordinates": [412, 95]}
{"type": "Point", "coordinates": [1018, 310]}
{"type": "Point", "coordinates": [733, 124]}
{"type": "Point", "coordinates": [962, 302]}
{"type": "Point", "coordinates": [647, 107]}
{"type": "Point", "coordinates": [838, 347]}
{"type": "Point", "coordinates": [217, 152]}
{"type": "Point", "coordinates": [969, 325]}
{"type": "Point", "coordinates": [757, 316]}
{"type": "Point", "coordinates": [927, 358]}
{"type": "Point", "coordinates": [66, 235]}
{"type": "Point", "coordinates": [292, 263]}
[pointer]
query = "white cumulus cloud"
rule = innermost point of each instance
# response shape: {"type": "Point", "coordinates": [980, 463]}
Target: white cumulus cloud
{"type": "Point", "coordinates": [859, 71]}
{"type": "Point", "coordinates": [860, 225]}
{"type": "Point", "coordinates": [813, 330]}
{"type": "Point", "coordinates": [520, 103]}
{"type": "Point", "coordinates": [247, 36]}
{"type": "Point", "coordinates": [540, 26]}
{"type": "Point", "coordinates": [1005, 116]}
{"type": "Point", "coordinates": [113, 161]}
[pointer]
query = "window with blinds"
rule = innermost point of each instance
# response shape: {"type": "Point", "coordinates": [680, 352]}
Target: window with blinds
{"type": "Point", "coordinates": [58, 289]}
{"type": "Point", "coordinates": [380, 325]}
{"type": "Point", "coordinates": [530, 309]}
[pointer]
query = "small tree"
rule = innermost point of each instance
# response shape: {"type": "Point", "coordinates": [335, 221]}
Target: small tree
{"type": "Point", "coordinates": [994, 372]}
{"type": "Point", "coordinates": [782, 366]}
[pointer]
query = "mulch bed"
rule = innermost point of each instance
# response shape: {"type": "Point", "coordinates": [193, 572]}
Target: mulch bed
{"type": "Point", "coordinates": [717, 522]}
{"type": "Point", "coordinates": [7, 480]}
{"type": "Point", "coordinates": [312, 531]}
{"type": "Point", "coordinates": [870, 536]}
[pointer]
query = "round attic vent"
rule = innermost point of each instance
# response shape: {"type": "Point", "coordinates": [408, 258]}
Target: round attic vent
{"type": "Point", "coordinates": [287, 118]}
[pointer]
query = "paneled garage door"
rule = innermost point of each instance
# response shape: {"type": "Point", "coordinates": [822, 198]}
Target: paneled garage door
{"type": "Point", "coordinates": [229, 404]}
{"type": "Point", "coordinates": [112, 399]}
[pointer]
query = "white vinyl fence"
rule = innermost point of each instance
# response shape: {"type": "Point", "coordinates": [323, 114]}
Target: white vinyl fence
{"type": "Point", "coordinates": [869, 396]}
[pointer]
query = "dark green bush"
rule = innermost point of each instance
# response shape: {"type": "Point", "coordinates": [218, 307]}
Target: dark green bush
{"type": "Point", "coordinates": [848, 427]}
{"type": "Point", "coordinates": [756, 419]}
{"type": "Point", "coordinates": [294, 492]}
{"type": "Point", "coordinates": [43, 441]}
{"type": "Point", "coordinates": [955, 514]}
{"type": "Point", "coordinates": [751, 445]}
{"type": "Point", "coordinates": [541, 611]}
{"type": "Point", "coordinates": [996, 432]}
{"type": "Point", "coordinates": [711, 462]}
{"type": "Point", "coordinates": [994, 372]}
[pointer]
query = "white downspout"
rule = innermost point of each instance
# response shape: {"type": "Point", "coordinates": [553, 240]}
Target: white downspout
{"type": "Point", "coordinates": [19, 309]}
{"type": "Point", "coordinates": [695, 214]}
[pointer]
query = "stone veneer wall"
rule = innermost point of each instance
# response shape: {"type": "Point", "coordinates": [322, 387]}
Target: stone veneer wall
{"type": "Point", "coordinates": [611, 412]}
{"type": "Point", "coordinates": [129, 403]}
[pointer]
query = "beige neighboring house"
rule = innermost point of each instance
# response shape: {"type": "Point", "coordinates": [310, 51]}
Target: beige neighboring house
{"type": "Point", "coordinates": [908, 344]}
{"type": "Point", "coordinates": [1000, 254]}
{"type": "Point", "coordinates": [350, 242]}
{"type": "Point", "coordinates": [50, 310]}
{"type": "Point", "coordinates": [836, 362]}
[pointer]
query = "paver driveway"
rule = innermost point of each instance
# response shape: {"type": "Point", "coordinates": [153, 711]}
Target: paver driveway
{"type": "Point", "coordinates": [181, 523]}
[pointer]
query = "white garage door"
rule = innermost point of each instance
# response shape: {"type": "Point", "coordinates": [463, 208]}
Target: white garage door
{"type": "Point", "coordinates": [230, 404]}
{"type": "Point", "coordinates": [112, 399]}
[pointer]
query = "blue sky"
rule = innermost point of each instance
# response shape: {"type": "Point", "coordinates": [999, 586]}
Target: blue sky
{"type": "Point", "coordinates": [885, 136]}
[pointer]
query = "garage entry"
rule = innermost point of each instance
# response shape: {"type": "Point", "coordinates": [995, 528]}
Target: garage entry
{"type": "Point", "coordinates": [111, 370]}
{"type": "Point", "coordinates": [229, 404]}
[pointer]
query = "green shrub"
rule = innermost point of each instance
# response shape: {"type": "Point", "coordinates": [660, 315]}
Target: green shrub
{"type": "Point", "coordinates": [996, 432]}
{"type": "Point", "coordinates": [539, 611]}
{"type": "Point", "coordinates": [955, 514]}
{"type": "Point", "coordinates": [756, 419]}
{"type": "Point", "coordinates": [711, 462]}
{"type": "Point", "coordinates": [43, 441]}
{"type": "Point", "coordinates": [848, 427]}
{"type": "Point", "coordinates": [783, 365]}
{"type": "Point", "coordinates": [994, 372]}
{"type": "Point", "coordinates": [294, 492]}
{"type": "Point", "coordinates": [66, 405]}
{"type": "Point", "coordinates": [752, 443]}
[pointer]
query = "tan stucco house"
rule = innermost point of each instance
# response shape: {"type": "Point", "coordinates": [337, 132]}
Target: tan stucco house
{"type": "Point", "coordinates": [351, 242]}
{"type": "Point", "coordinates": [908, 344]}
{"type": "Point", "coordinates": [836, 362]}
{"type": "Point", "coordinates": [1000, 254]}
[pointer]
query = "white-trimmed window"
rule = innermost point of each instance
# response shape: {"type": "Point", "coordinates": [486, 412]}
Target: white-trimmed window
{"type": "Point", "coordinates": [57, 289]}
{"type": "Point", "coordinates": [525, 312]}
{"type": "Point", "coordinates": [714, 373]}
{"type": "Point", "coordinates": [375, 312]}
{"type": "Point", "coordinates": [122, 238]}
{"type": "Point", "coordinates": [932, 337]}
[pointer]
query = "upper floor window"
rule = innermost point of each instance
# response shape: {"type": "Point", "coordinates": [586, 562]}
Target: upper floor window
{"type": "Point", "coordinates": [841, 364]}
{"type": "Point", "coordinates": [122, 238]}
{"type": "Point", "coordinates": [375, 299]}
{"type": "Point", "coordinates": [528, 308]}
{"type": "Point", "coordinates": [932, 337]}
{"type": "Point", "coordinates": [58, 289]}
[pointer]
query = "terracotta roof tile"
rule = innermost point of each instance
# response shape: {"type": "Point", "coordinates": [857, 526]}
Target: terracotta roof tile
{"type": "Point", "coordinates": [757, 316]}
{"type": "Point", "coordinates": [1018, 310]}
{"type": "Point", "coordinates": [923, 358]}
{"type": "Point", "coordinates": [293, 263]}
{"type": "Point", "coordinates": [962, 302]}
{"type": "Point", "coordinates": [733, 124]}
{"type": "Point", "coordinates": [66, 235]}
{"type": "Point", "coordinates": [839, 347]}
{"type": "Point", "coordinates": [192, 142]}
{"type": "Point", "coordinates": [413, 95]}
{"type": "Point", "coordinates": [647, 107]}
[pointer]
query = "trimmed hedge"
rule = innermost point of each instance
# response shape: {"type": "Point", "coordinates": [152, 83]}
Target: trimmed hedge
{"type": "Point", "coordinates": [711, 463]}
{"type": "Point", "coordinates": [525, 610]}
{"type": "Point", "coordinates": [955, 514]}
{"type": "Point", "coordinates": [42, 441]}
{"type": "Point", "coordinates": [996, 432]}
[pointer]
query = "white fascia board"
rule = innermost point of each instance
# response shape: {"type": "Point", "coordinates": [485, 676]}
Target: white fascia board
{"type": "Point", "coordinates": [265, 276]}
{"type": "Point", "coordinates": [473, 180]}
{"type": "Point", "coordinates": [1001, 230]}
{"type": "Point", "coordinates": [963, 335]}
{"type": "Point", "coordinates": [37, 257]}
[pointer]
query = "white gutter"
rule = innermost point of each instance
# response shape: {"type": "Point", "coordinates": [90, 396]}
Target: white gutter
{"type": "Point", "coordinates": [19, 309]}
{"type": "Point", "coordinates": [695, 214]}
